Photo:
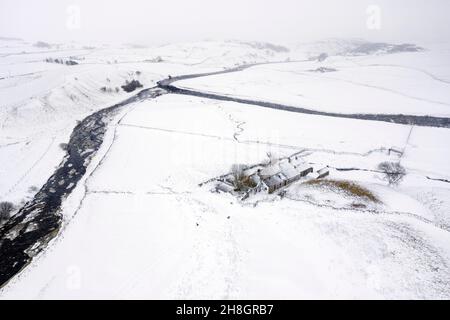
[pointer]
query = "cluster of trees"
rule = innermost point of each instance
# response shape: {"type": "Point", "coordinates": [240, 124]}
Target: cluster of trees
{"type": "Point", "coordinates": [132, 85]}
{"type": "Point", "coordinates": [129, 86]}
{"type": "Point", "coordinates": [61, 61]}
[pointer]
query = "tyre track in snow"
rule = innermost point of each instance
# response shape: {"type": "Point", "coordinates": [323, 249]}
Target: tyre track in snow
{"type": "Point", "coordinates": [238, 125]}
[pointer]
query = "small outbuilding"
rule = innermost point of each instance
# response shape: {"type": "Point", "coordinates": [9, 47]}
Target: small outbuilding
{"type": "Point", "coordinates": [322, 173]}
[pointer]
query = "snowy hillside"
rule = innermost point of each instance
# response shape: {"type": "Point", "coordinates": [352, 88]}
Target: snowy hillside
{"type": "Point", "coordinates": [42, 101]}
{"type": "Point", "coordinates": [144, 219]}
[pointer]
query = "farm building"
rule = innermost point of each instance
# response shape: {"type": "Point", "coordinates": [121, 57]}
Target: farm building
{"type": "Point", "coordinates": [225, 186]}
{"type": "Point", "coordinates": [288, 173]}
{"type": "Point", "coordinates": [322, 173]}
{"type": "Point", "coordinates": [268, 178]}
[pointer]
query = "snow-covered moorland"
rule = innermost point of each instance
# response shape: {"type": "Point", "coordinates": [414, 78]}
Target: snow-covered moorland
{"type": "Point", "coordinates": [141, 222]}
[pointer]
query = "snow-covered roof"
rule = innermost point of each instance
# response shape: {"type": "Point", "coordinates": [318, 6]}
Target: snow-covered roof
{"type": "Point", "coordinates": [225, 187]}
{"type": "Point", "coordinates": [323, 170]}
{"type": "Point", "coordinates": [275, 180]}
{"type": "Point", "coordinates": [289, 170]}
{"type": "Point", "coordinates": [269, 171]}
{"type": "Point", "coordinates": [302, 167]}
{"type": "Point", "coordinates": [255, 178]}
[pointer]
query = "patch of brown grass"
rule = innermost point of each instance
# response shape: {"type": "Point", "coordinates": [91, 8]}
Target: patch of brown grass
{"type": "Point", "coordinates": [349, 187]}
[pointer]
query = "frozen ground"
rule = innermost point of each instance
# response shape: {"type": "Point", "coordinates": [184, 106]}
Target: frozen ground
{"type": "Point", "coordinates": [139, 226]}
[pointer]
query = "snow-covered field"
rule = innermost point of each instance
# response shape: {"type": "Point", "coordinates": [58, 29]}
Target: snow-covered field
{"type": "Point", "coordinates": [415, 83]}
{"type": "Point", "coordinates": [138, 225]}
{"type": "Point", "coordinates": [41, 102]}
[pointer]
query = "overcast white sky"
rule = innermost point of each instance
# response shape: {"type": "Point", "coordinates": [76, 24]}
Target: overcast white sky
{"type": "Point", "coordinates": [151, 21]}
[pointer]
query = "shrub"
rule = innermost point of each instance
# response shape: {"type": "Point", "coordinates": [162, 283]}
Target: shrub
{"type": "Point", "coordinates": [393, 172]}
{"type": "Point", "coordinates": [63, 146]}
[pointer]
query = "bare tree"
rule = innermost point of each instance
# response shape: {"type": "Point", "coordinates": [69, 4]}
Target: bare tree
{"type": "Point", "coordinates": [5, 210]}
{"type": "Point", "coordinates": [393, 172]}
{"type": "Point", "coordinates": [237, 170]}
